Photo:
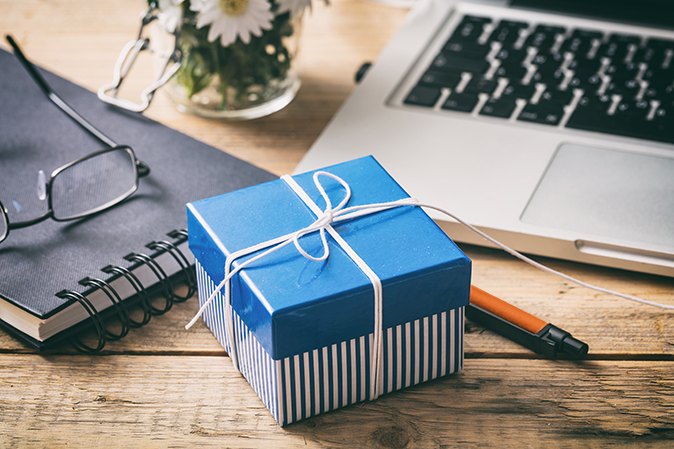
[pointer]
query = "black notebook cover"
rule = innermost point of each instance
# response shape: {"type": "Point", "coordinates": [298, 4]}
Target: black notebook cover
{"type": "Point", "coordinates": [41, 260]}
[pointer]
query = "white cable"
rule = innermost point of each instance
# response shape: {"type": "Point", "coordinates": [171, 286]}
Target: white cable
{"type": "Point", "coordinates": [339, 213]}
{"type": "Point", "coordinates": [524, 258]}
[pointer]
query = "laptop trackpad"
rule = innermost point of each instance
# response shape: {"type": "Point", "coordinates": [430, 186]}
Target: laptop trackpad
{"type": "Point", "coordinates": [607, 193]}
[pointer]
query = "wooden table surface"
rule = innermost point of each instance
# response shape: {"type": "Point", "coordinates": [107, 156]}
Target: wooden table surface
{"type": "Point", "coordinates": [163, 386]}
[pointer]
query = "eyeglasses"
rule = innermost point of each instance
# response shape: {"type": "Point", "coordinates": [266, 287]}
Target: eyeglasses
{"type": "Point", "coordinates": [171, 57]}
{"type": "Point", "coordinates": [86, 186]}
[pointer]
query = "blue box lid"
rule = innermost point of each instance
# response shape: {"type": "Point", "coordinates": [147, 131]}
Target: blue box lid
{"type": "Point", "coordinates": [293, 304]}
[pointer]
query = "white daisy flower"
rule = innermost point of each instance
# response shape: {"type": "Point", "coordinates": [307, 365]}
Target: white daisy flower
{"type": "Point", "coordinates": [171, 14]}
{"type": "Point", "coordinates": [294, 6]}
{"type": "Point", "coordinates": [230, 19]}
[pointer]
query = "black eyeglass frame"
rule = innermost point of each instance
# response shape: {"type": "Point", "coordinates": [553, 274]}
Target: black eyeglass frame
{"type": "Point", "coordinates": [142, 169]}
{"type": "Point", "coordinates": [55, 173]}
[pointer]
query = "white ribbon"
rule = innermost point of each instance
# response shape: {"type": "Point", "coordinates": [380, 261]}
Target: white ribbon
{"type": "Point", "coordinates": [323, 223]}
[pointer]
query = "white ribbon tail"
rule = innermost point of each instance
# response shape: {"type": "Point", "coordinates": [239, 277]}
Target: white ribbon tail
{"type": "Point", "coordinates": [280, 242]}
{"type": "Point", "coordinates": [323, 223]}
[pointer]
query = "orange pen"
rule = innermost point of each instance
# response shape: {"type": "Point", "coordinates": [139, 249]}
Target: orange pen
{"type": "Point", "coordinates": [522, 327]}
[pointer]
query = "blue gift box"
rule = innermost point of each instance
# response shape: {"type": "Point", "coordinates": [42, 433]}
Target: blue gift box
{"type": "Point", "coordinates": [304, 330]}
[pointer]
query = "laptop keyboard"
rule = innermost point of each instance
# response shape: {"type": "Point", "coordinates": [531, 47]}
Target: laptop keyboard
{"type": "Point", "coordinates": [556, 76]}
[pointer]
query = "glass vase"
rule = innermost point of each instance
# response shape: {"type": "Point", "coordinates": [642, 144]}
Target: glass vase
{"type": "Point", "coordinates": [241, 81]}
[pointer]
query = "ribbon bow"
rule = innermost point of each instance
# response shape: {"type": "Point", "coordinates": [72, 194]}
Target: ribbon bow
{"type": "Point", "coordinates": [322, 224]}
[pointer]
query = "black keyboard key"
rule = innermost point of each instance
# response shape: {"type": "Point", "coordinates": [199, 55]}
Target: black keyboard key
{"type": "Point", "coordinates": [457, 64]}
{"type": "Point", "coordinates": [590, 119]}
{"type": "Point", "coordinates": [613, 51]}
{"type": "Point", "coordinates": [440, 79]}
{"type": "Point", "coordinates": [633, 109]}
{"type": "Point", "coordinates": [547, 64]}
{"type": "Point", "coordinates": [618, 47]}
{"type": "Point", "coordinates": [423, 96]}
{"type": "Point", "coordinates": [501, 107]}
{"type": "Point", "coordinates": [622, 72]}
{"type": "Point", "coordinates": [470, 29]}
{"type": "Point", "coordinates": [548, 59]}
{"type": "Point", "coordinates": [658, 130]}
{"type": "Point", "coordinates": [587, 34]}
{"type": "Point", "coordinates": [655, 53]}
{"type": "Point", "coordinates": [512, 72]}
{"type": "Point", "coordinates": [625, 122]}
{"type": "Point", "coordinates": [544, 36]}
{"type": "Point", "coordinates": [468, 50]}
{"type": "Point", "coordinates": [511, 56]}
{"type": "Point", "coordinates": [628, 89]}
{"type": "Point", "coordinates": [592, 114]}
{"type": "Point", "coordinates": [660, 43]}
{"type": "Point", "coordinates": [463, 102]}
{"type": "Point", "coordinates": [657, 76]}
{"type": "Point", "coordinates": [664, 60]}
{"type": "Point", "coordinates": [556, 96]}
{"type": "Point", "coordinates": [651, 93]}
{"type": "Point", "coordinates": [661, 127]}
{"type": "Point", "coordinates": [590, 84]}
{"type": "Point", "coordinates": [595, 104]}
{"type": "Point", "coordinates": [667, 98]}
{"type": "Point", "coordinates": [624, 39]}
{"type": "Point", "coordinates": [664, 95]}
{"type": "Point", "coordinates": [648, 55]}
{"type": "Point", "coordinates": [585, 66]}
{"type": "Point", "coordinates": [580, 42]}
{"type": "Point", "coordinates": [659, 80]}
{"type": "Point", "coordinates": [543, 112]}
{"type": "Point", "coordinates": [507, 32]}
{"type": "Point", "coordinates": [481, 85]}
{"type": "Point", "coordinates": [551, 79]}
{"type": "Point", "coordinates": [517, 90]}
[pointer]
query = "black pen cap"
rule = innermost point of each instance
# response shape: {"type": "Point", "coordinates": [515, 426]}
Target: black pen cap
{"type": "Point", "coordinates": [564, 341]}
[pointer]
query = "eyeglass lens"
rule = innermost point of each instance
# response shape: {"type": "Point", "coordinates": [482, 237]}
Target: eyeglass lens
{"type": "Point", "coordinates": [4, 225]}
{"type": "Point", "coordinates": [93, 184]}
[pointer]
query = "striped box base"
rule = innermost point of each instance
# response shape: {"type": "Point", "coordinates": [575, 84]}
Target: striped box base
{"type": "Point", "coordinates": [334, 376]}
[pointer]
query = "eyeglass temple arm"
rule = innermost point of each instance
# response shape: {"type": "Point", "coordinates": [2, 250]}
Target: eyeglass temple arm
{"type": "Point", "coordinates": [42, 83]}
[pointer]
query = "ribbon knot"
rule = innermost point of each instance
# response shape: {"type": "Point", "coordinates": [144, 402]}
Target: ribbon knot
{"type": "Point", "coordinates": [323, 223]}
{"type": "Point", "coordinates": [325, 219]}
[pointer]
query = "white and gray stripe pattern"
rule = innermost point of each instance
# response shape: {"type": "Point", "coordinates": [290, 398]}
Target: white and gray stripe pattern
{"type": "Point", "coordinates": [334, 376]}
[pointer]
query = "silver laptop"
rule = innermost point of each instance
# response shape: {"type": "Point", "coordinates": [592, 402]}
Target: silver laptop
{"type": "Point", "coordinates": [552, 131]}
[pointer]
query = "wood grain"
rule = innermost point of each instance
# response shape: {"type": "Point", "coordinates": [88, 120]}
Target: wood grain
{"type": "Point", "coordinates": [163, 386]}
{"type": "Point", "coordinates": [614, 328]}
{"type": "Point", "coordinates": [162, 401]}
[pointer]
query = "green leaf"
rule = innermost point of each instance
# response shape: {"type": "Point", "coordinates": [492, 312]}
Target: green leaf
{"type": "Point", "coordinates": [241, 67]}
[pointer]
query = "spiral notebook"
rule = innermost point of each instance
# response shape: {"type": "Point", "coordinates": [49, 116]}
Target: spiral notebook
{"type": "Point", "coordinates": [57, 278]}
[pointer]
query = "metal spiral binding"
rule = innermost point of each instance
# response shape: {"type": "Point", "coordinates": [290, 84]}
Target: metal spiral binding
{"type": "Point", "coordinates": [161, 276]}
{"type": "Point", "coordinates": [180, 258]}
{"type": "Point", "coordinates": [145, 302]}
{"type": "Point", "coordinates": [120, 307]}
{"type": "Point", "coordinates": [95, 318]}
{"type": "Point", "coordinates": [178, 233]}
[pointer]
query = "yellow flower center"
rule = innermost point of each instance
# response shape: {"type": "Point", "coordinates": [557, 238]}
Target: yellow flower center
{"type": "Point", "coordinates": [234, 7]}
